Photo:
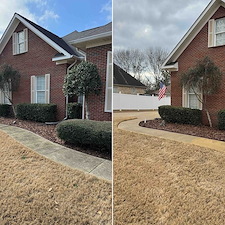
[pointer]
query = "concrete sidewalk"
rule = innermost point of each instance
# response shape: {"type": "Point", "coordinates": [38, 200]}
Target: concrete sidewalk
{"type": "Point", "coordinates": [133, 126]}
{"type": "Point", "coordinates": [99, 167]}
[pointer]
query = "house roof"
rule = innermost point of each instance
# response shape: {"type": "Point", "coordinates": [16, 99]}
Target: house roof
{"type": "Point", "coordinates": [53, 40]}
{"type": "Point", "coordinates": [212, 7]}
{"type": "Point", "coordinates": [94, 32]}
{"type": "Point", "coordinates": [120, 77]}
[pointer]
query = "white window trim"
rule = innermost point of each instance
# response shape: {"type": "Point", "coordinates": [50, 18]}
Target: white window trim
{"type": "Point", "coordinates": [185, 99]}
{"type": "Point", "coordinates": [107, 78]}
{"type": "Point", "coordinates": [34, 89]}
{"type": "Point", "coordinates": [15, 42]}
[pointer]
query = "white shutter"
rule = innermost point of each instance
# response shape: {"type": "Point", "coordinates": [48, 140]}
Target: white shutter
{"type": "Point", "coordinates": [184, 97]}
{"type": "Point", "coordinates": [47, 88]}
{"type": "Point", "coordinates": [108, 89]}
{"type": "Point", "coordinates": [14, 43]}
{"type": "Point", "coordinates": [25, 39]}
{"type": "Point", "coordinates": [211, 28]}
{"type": "Point", "coordinates": [33, 89]}
{"type": "Point", "coordinates": [200, 103]}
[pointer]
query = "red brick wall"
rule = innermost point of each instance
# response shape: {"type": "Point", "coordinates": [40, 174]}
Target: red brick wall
{"type": "Point", "coordinates": [37, 61]}
{"type": "Point", "coordinates": [98, 56]}
{"type": "Point", "coordinates": [196, 50]}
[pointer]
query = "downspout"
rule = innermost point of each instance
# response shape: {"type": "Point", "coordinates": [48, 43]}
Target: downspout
{"type": "Point", "coordinates": [67, 71]}
{"type": "Point", "coordinates": [83, 104]}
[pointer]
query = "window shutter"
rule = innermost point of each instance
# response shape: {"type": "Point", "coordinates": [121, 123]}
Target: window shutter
{"type": "Point", "coordinates": [211, 28]}
{"type": "Point", "coordinates": [108, 90]}
{"type": "Point", "coordinates": [25, 39]}
{"type": "Point", "coordinates": [33, 89]}
{"type": "Point", "coordinates": [184, 97]}
{"type": "Point", "coordinates": [47, 88]}
{"type": "Point", "coordinates": [200, 103]}
{"type": "Point", "coordinates": [14, 42]}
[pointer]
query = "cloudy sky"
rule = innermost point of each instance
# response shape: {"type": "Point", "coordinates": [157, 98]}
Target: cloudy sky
{"type": "Point", "coordinates": [59, 16]}
{"type": "Point", "coordinates": [146, 23]}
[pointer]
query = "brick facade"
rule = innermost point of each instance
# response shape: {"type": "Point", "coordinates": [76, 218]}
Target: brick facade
{"type": "Point", "coordinates": [196, 50]}
{"type": "Point", "coordinates": [96, 103]}
{"type": "Point", "coordinates": [37, 61]}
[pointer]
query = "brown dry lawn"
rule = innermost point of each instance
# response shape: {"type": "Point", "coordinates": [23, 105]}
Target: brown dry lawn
{"type": "Point", "coordinates": [35, 190]}
{"type": "Point", "coordinates": [157, 181]}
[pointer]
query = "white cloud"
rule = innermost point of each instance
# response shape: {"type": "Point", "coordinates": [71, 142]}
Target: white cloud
{"type": "Point", "coordinates": [145, 23]}
{"type": "Point", "coordinates": [41, 13]}
{"type": "Point", "coordinates": [48, 14]}
{"type": "Point", "coordinates": [108, 9]}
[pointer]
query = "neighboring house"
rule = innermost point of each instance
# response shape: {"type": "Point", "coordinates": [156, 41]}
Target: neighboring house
{"type": "Point", "coordinates": [97, 44]}
{"type": "Point", "coordinates": [126, 84]}
{"type": "Point", "coordinates": [43, 59]}
{"type": "Point", "coordinates": [206, 37]}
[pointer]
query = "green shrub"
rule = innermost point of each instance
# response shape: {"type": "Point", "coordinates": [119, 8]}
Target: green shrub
{"type": "Point", "coordinates": [74, 110]}
{"type": "Point", "coordinates": [173, 114]}
{"type": "Point", "coordinates": [86, 132]}
{"type": "Point", "coordinates": [221, 119]}
{"type": "Point", "coordinates": [5, 110]}
{"type": "Point", "coordinates": [37, 112]}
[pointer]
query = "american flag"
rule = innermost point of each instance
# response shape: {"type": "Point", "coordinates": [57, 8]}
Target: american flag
{"type": "Point", "coordinates": [162, 90]}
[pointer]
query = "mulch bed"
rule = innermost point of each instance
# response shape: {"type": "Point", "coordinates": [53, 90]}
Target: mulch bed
{"type": "Point", "coordinates": [200, 131]}
{"type": "Point", "coordinates": [49, 132]}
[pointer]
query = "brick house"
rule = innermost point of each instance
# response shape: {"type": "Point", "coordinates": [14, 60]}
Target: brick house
{"type": "Point", "coordinates": [43, 59]}
{"type": "Point", "coordinates": [206, 37]}
{"type": "Point", "coordinates": [124, 83]}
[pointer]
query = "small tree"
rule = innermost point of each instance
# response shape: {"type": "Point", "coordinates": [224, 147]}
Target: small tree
{"type": "Point", "coordinates": [205, 76]}
{"type": "Point", "coordinates": [83, 79]}
{"type": "Point", "coordinates": [9, 82]}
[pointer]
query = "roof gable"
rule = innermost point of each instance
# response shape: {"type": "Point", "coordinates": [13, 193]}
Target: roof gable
{"type": "Point", "coordinates": [208, 12]}
{"type": "Point", "coordinates": [53, 40]}
{"type": "Point", "coordinates": [120, 77]}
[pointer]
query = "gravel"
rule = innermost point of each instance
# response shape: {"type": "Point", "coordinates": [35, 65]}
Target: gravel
{"type": "Point", "coordinates": [49, 132]}
{"type": "Point", "coordinates": [200, 131]}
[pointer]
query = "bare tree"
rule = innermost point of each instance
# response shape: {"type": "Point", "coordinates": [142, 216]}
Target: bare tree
{"type": "Point", "coordinates": [122, 58]}
{"type": "Point", "coordinates": [156, 57]}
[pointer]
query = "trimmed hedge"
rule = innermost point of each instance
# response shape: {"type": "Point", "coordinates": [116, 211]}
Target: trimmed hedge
{"type": "Point", "coordinates": [5, 110]}
{"type": "Point", "coordinates": [37, 112]}
{"type": "Point", "coordinates": [74, 110]}
{"type": "Point", "coordinates": [86, 133]}
{"type": "Point", "coordinates": [173, 114]}
{"type": "Point", "coordinates": [221, 119]}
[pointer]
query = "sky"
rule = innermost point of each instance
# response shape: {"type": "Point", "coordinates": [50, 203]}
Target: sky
{"type": "Point", "coordinates": [58, 16]}
{"type": "Point", "coordinates": [153, 23]}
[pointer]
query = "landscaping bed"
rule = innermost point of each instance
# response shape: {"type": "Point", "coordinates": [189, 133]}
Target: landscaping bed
{"type": "Point", "coordinates": [49, 132]}
{"type": "Point", "coordinates": [200, 130]}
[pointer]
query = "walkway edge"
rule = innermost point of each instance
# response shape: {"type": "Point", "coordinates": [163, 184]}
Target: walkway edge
{"type": "Point", "coordinates": [133, 126]}
{"type": "Point", "coordinates": [60, 154]}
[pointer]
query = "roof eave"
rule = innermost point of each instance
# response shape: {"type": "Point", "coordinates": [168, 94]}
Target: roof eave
{"type": "Point", "coordinates": [172, 67]}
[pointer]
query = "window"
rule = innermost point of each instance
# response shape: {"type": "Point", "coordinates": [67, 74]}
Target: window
{"type": "Point", "coordinates": [20, 43]}
{"type": "Point", "coordinates": [4, 97]}
{"type": "Point", "coordinates": [220, 32]}
{"type": "Point", "coordinates": [190, 100]}
{"type": "Point", "coordinates": [40, 86]}
{"type": "Point", "coordinates": [108, 90]}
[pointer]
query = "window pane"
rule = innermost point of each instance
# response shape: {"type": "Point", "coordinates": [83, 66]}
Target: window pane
{"type": "Point", "coordinates": [20, 37]}
{"type": "Point", "coordinates": [220, 25]}
{"type": "Point", "coordinates": [21, 48]}
{"type": "Point", "coordinates": [193, 101]}
{"type": "Point", "coordinates": [40, 96]}
{"type": "Point", "coordinates": [40, 83]}
{"type": "Point", "coordinates": [220, 39]}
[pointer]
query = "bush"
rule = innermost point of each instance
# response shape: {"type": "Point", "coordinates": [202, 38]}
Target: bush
{"type": "Point", "coordinates": [5, 110]}
{"type": "Point", "coordinates": [86, 132]}
{"type": "Point", "coordinates": [221, 119]}
{"type": "Point", "coordinates": [182, 115]}
{"type": "Point", "coordinates": [37, 112]}
{"type": "Point", "coordinates": [74, 110]}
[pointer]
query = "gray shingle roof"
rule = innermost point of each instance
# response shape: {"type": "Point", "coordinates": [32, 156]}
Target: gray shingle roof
{"type": "Point", "coordinates": [59, 41]}
{"type": "Point", "coordinates": [88, 33]}
{"type": "Point", "coordinates": [120, 77]}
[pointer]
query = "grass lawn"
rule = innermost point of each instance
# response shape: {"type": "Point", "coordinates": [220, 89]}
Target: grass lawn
{"type": "Point", "coordinates": [157, 181]}
{"type": "Point", "coordinates": [35, 190]}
